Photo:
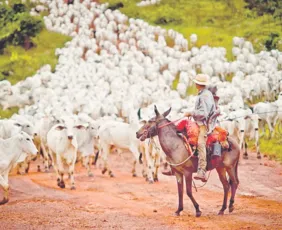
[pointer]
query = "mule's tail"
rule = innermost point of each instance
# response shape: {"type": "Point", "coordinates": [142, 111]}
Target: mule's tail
{"type": "Point", "coordinates": [236, 173]}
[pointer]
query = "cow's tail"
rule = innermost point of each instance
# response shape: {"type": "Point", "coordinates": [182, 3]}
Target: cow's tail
{"type": "Point", "coordinates": [96, 158]}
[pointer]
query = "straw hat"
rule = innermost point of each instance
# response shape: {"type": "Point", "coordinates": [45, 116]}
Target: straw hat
{"type": "Point", "coordinates": [201, 79]}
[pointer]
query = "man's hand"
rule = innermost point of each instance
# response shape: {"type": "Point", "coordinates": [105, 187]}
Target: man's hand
{"type": "Point", "coordinates": [188, 114]}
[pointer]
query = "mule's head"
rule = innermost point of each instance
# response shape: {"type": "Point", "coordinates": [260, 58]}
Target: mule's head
{"type": "Point", "coordinates": [149, 128]}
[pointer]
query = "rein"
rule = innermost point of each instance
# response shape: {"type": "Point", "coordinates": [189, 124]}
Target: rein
{"type": "Point", "coordinates": [172, 164]}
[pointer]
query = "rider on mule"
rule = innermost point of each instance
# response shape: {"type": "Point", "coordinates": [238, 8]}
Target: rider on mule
{"type": "Point", "coordinates": [205, 107]}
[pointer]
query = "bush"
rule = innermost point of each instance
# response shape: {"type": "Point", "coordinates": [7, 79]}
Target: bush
{"type": "Point", "coordinates": [272, 41]}
{"type": "Point", "coordinates": [17, 26]}
{"type": "Point", "coordinates": [29, 27]}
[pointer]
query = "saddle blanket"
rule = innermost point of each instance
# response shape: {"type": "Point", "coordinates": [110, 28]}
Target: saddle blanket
{"type": "Point", "coordinates": [191, 129]}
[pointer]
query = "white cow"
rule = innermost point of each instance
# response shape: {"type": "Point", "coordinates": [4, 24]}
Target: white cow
{"type": "Point", "coordinates": [122, 136]}
{"type": "Point", "coordinates": [86, 140]}
{"type": "Point", "coordinates": [267, 113]}
{"type": "Point", "coordinates": [62, 144]}
{"type": "Point", "coordinates": [11, 150]}
{"type": "Point", "coordinates": [242, 124]}
{"type": "Point", "coordinates": [44, 126]}
{"type": "Point", "coordinates": [152, 158]}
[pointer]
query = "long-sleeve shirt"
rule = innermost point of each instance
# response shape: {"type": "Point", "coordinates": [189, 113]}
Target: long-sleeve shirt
{"type": "Point", "coordinates": [204, 107]}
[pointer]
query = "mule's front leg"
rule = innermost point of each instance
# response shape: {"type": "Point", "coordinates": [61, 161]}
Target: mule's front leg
{"type": "Point", "coordinates": [188, 180]}
{"type": "Point", "coordinates": [179, 179]}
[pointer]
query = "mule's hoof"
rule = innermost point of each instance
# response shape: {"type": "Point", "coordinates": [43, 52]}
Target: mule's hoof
{"type": "Point", "coordinates": [259, 156]}
{"type": "Point", "coordinates": [104, 170]}
{"type": "Point", "coordinates": [198, 214]}
{"type": "Point", "coordinates": [4, 201]}
{"type": "Point", "coordinates": [46, 170]}
{"type": "Point", "coordinates": [90, 174]}
{"type": "Point", "coordinates": [156, 179]}
{"type": "Point", "coordinates": [245, 157]}
{"type": "Point", "coordinates": [177, 213]}
{"type": "Point", "coordinates": [73, 187]}
{"type": "Point", "coordinates": [221, 213]}
{"type": "Point", "coordinates": [231, 209]}
{"type": "Point", "coordinates": [134, 175]}
{"type": "Point", "coordinates": [150, 181]}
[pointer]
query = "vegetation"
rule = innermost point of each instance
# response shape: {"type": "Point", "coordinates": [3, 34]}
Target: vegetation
{"type": "Point", "coordinates": [17, 26]}
{"type": "Point", "coordinates": [24, 43]}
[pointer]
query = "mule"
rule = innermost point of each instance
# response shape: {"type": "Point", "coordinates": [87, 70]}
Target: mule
{"type": "Point", "coordinates": [183, 165]}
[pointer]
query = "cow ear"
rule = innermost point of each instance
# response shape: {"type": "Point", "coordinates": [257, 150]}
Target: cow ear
{"type": "Point", "coordinates": [60, 127]}
{"type": "Point", "coordinates": [167, 112]}
{"type": "Point", "coordinates": [139, 114]}
{"type": "Point", "coordinates": [80, 127]}
{"type": "Point", "coordinates": [156, 111]}
{"type": "Point", "coordinates": [247, 117]}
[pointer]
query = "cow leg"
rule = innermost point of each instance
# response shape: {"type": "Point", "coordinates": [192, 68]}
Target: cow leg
{"type": "Point", "coordinates": [179, 180]}
{"type": "Point", "coordinates": [144, 161]}
{"type": "Point", "coordinates": [222, 176]}
{"type": "Point", "coordinates": [45, 158]}
{"type": "Point", "coordinates": [134, 149]}
{"type": "Point", "coordinates": [157, 165]}
{"type": "Point", "coordinates": [188, 180]}
{"type": "Point", "coordinates": [5, 187]}
{"type": "Point", "coordinates": [262, 127]}
{"type": "Point", "coordinates": [54, 162]}
{"type": "Point", "coordinates": [149, 161]}
{"type": "Point", "coordinates": [271, 130]}
{"type": "Point", "coordinates": [86, 164]}
{"type": "Point", "coordinates": [257, 143]}
{"type": "Point", "coordinates": [105, 152]}
{"type": "Point", "coordinates": [60, 171]}
{"type": "Point", "coordinates": [71, 173]}
{"type": "Point", "coordinates": [245, 149]}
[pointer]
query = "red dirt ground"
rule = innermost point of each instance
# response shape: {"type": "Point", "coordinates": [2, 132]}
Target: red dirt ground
{"type": "Point", "coordinates": [125, 202]}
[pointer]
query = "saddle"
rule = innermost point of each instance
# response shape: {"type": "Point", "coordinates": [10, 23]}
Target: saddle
{"type": "Point", "coordinates": [189, 131]}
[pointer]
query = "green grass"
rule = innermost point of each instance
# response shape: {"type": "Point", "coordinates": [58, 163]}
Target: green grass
{"type": "Point", "coordinates": [215, 22]}
{"type": "Point", "coordinates": [270, 147]}
{"type": "Point", "coordinates": [20, 63]}
{"type": "Point", "coordinates": [8, 113]}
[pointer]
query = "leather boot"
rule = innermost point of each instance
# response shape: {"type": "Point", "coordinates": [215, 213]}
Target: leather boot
{"type": "Point", "coordinates": [201, 175]}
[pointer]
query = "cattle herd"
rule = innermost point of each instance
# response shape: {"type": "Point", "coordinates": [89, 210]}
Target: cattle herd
{"type": "Point", "coordinates": [109, 76]}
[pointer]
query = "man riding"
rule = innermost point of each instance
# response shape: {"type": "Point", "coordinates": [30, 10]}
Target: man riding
{"type": "Point", "coordinates": [204, 107]}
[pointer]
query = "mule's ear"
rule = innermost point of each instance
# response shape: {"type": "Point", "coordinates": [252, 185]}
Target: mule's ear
{"type": "Point", "coordinates": [167, 112]}
{"type": "Point", "coordinates": [156, 111]}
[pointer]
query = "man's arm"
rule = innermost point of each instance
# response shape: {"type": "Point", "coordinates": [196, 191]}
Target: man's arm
{"type": "Point", "coordinates": [201, 113]}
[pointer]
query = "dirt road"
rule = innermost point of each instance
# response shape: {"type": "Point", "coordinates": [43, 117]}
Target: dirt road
{"type": "Point", "coordinates": [124, 202]}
